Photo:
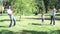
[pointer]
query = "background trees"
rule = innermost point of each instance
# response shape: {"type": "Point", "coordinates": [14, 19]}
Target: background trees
{"type": "Point", "coordinates": [29, 7]}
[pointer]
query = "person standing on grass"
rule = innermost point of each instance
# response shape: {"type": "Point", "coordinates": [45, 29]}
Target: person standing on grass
{"type": "Point", "coordinates": [53, 15]}
{"type": "Point", "coordinates": [12, 18]}
{"type": "Point", "coordinates": [43, 16]}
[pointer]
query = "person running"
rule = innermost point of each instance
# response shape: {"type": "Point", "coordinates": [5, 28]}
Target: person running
{"type": "Point", "coordinates": [53, 10]}
{"type": "Point", "coordinates": [12, 18]}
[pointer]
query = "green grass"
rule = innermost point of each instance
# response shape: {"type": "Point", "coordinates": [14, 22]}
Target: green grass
{"type": "Point", "coordinates": [29, 25]}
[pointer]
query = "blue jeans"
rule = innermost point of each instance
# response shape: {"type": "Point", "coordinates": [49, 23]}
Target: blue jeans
{"type": "Point", "coordinates": [43, 20]}
{"type": "Point", "coordinates": [52, 20]}
{"type": "Point", "coordinates": [12, 18]}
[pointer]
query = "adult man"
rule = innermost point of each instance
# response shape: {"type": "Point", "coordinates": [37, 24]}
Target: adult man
{"type": "Point", "coordinates": [53, 15]}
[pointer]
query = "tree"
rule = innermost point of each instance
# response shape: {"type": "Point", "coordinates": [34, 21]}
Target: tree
{"type": "Point", "coordinates": [53, 2]}
{"type": "Point", "coordinates": [40, 5]}
{"type": "Point", "coordinates": [1, 6]}
{"type": "Point", "coordinates": [46, 2]}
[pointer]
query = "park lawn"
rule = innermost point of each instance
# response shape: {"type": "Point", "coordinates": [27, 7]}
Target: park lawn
{"type": "Point", "coordinates": [29, 25]}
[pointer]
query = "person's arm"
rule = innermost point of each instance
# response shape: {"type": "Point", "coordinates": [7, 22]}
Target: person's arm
{"type": "Point", "coordinates": [55, 10]}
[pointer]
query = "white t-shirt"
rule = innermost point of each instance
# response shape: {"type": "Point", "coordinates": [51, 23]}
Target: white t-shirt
{"type": "Point", "coordinates": [9, 11]}
{"type": "Point", "coordinates": [53, 12]}
{"type": "Point", "coordinates": [43, 16]}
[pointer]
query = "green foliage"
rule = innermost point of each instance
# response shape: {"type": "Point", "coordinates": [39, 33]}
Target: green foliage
{"type": "Point", "coordinates": [58, 6]}
{"type": "Point", "coordinates": [51, 2]}
{"type": "Point", "coordinates": [24, 6]}
{"type": "Point", "coordinates": [27, 7]}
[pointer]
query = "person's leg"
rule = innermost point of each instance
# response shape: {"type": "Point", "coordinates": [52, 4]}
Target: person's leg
{"type": "Point", "coordinates": [51, 19]}
{"type": "Point", "coordinates": [10, 21]}
{"type": "Point", "coordinates": [14, 20]}
{"type": "Point", "coordinates": [42, 20]}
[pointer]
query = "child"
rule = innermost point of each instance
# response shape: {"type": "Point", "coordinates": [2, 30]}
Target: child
{"type": "Point", "coordinates": [43, 16]}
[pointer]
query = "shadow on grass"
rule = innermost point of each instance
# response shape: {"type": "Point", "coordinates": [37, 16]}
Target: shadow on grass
{"type": "Point", "coordinates": [57, 14]}
{"type": "Point", "coordinates": [2, 20]}
{"type": "Point", "coordinates": [9, 32]}
{"type": "Point", "coordinates": [4, 26]}
{"type": "Point", "coordinates": [32, 32]}
{"type": "Point", "coordinates": [23, 32]}
{"type": "Point", "coordinates": [40, 32]}
{"type": "Point", "coordinates": [40, 18]}
{"type": "Point", "coordinates": [41, 24]}
{"type": "Point", "coordinates": [29, 32]}
{"type": "Point", "coordinates": [55, 32]}
{"type": "Point", "coordinates": [6, 32]}
{"type": "Point", "coordinates": [36, 24]}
